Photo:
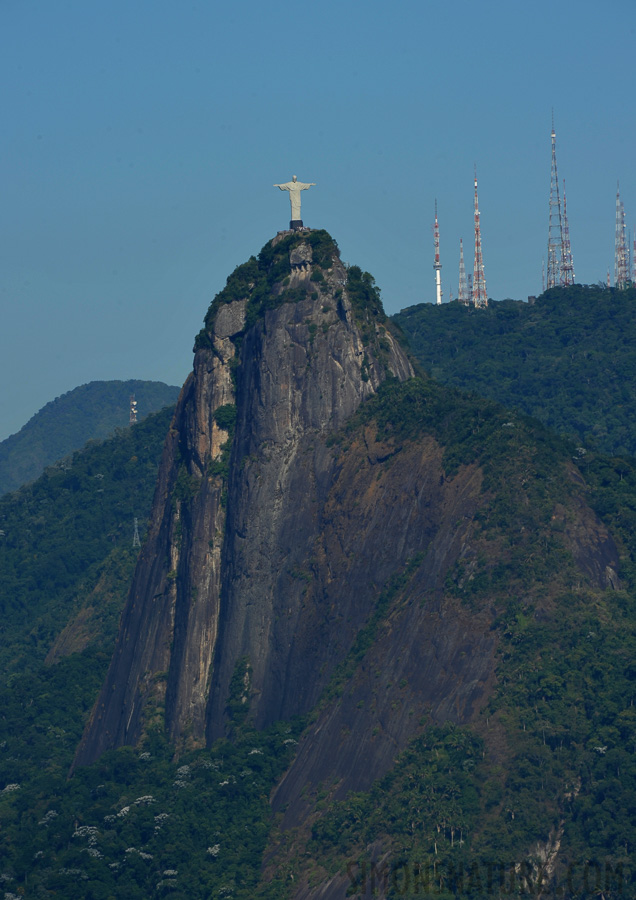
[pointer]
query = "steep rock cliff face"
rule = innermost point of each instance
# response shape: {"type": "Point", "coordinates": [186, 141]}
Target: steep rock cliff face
{"type": "Point", "coordinates": [291, 348]}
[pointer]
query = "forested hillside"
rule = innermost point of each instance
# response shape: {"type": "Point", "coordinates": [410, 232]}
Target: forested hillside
{"type": "Point", "coordinates": [66, 542]}
{"type": "Point", "coordinates": [89, 412]}
{"type": "Point", "coordinates": [569, 359]}
{"type": "Point", "coordinates": [549, 764]}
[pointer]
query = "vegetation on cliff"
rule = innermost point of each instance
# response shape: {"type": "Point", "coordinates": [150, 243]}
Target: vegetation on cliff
{"type": "Point", "coordinates": [547, 775]}
{"type": "Point", "coordinates": [548, 772]}
{"type": "Point", "coordinates": [569, 359]}
{"type": "Point", "coordinates": [262, 279]}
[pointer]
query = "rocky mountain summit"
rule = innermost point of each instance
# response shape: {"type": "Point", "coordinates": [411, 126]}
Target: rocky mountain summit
{"type": "Point", "coordinates": [290, 349]}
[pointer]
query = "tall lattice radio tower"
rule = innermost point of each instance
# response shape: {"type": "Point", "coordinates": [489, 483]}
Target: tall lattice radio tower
{"type": "Point", "coordinates": [480, 297]}
{"type": "Point", "coordinates": [437, 264]}
{"type": "Point", "coordinates": [136, 541]}
{"type": "Point", "coordinates": [464, 296]}
{"type": "Point", "coordinates": [555, 224]}
{"type": "Point", "coordinates": [621, 247]}
{"type": "Point", "coordinates": [133, 410]}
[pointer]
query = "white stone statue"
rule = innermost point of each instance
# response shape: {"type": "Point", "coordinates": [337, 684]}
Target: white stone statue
{"type": "Point", "coordinates": [295, 187]}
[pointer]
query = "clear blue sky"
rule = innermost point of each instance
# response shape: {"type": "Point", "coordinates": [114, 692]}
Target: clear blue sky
{"type": "Point", "coordinates": [141, 140]}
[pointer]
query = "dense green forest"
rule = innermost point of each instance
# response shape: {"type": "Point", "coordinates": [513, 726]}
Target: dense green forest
{"type": "Point", "coordinates": [89, 412]}
{"type": "Point", "coordinates": [552, 757]}
{"type": "Point", "coordinates": [569, 359]}
{"type": "Point", "coordinates": [69, 533]}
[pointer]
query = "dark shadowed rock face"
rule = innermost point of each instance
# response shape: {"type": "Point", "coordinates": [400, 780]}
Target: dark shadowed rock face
{"type": "Point", "coordinates": [237, 519]}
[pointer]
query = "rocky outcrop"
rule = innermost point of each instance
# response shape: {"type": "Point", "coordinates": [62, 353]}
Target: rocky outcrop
{"type": "Point", "coordinates": [239, 508]}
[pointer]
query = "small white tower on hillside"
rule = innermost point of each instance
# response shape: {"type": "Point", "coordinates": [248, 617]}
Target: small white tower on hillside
{"type": "Point", "coordinates": [437, 264]}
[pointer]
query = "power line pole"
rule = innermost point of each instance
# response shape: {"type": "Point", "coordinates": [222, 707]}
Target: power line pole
{"type": "Point", "coordinates": [480, 297]}
{"type": "Point", "coordinates": [136, 542]}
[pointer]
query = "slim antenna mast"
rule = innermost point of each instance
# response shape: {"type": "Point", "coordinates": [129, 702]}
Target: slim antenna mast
{"type": "Point", "coordinates": [567, 263]}
{"type": "Point", "coordinates": [542, 275]}
{"type": "Point", "coordinates": [555, 225]}
{"type": "Point", "coordinates": [480, 297]}
{"type": "Point", "coordinates": [464, 296]}
{"type": "Point", "coordinates": [621, 249]}
{"type": "Point", "coordinates": [133, 410]}
{"type": "Point", "coordinates": [437, 264]}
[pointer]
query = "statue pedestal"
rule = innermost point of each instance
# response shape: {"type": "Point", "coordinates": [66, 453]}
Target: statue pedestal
{"type": "Point", "coordinates": [296, 224]}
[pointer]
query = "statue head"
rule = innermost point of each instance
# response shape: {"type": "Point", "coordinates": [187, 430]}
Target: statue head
{"type": "Point", "coordinates": [293, 177]}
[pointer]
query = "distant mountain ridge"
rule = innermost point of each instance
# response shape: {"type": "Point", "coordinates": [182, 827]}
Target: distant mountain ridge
{"type": "Point", "coordinates": [89, 412]}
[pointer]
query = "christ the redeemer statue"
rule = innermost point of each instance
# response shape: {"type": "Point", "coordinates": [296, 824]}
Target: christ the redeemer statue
{"type": "Point", "coordinates": [295, 187]}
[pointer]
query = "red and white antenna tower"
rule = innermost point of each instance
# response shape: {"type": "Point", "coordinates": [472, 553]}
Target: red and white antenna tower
{"type": "Point", "coordinates": [133, 410]}
{"type": "Point", "coordinates": [464, 296]}
{"type": "Point", "coordinates": [555, 225]}
{"type": "Point", "coordinates": [567, 263]}
{"type": "Point", "coordinates": [437, 264]}
{"type": "Point", "coordinates": [621, 247]}
{"type": "Point", "coordinates": [480, 298]}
